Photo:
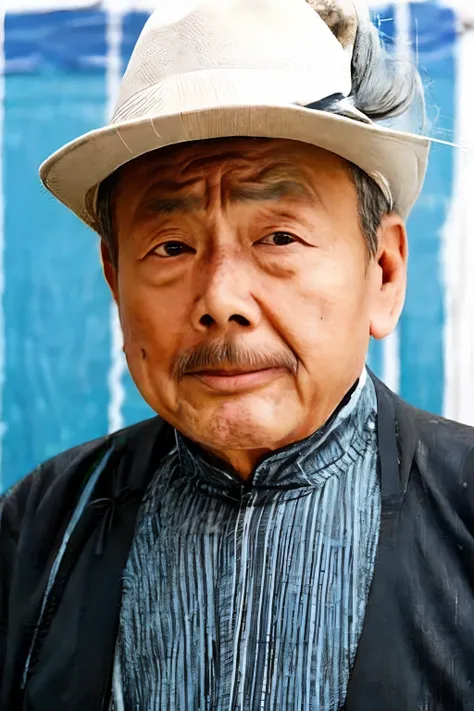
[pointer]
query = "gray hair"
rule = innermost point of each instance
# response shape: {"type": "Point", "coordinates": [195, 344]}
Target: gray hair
{"type": "Point", "coordinates": [383, 87]}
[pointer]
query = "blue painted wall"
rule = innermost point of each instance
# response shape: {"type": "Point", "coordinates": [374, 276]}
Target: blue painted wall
{"type": "Point", "coordinates": [421, 325]}
{"type": "Point", "coordinates": [56, 305]}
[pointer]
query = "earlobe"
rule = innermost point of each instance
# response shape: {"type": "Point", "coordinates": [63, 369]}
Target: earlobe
{"type": "Point", "coordinates": [389, 276]}
{"type": "Point", "coordinates": [110, 271]}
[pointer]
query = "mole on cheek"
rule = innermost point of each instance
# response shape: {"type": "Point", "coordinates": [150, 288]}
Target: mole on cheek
{"type": "Point", "coordinates": [143, 353]}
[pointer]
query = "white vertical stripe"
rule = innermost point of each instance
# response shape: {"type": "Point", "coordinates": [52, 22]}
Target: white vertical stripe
{"type": "Point", "coordinates": [2, 236]}
{"type": "Point", "coordinates": [238, 673]}
{"type": "Point", "coordinates": [117, 703]}
{"type": "Point", "coordinates": [403, 29]}
{"type": "Point", "coordinates": [391, 344]}
{"type": "Point", "coordinates": [391, 361]}
{"type": "Point", "coordinates": [118, 364]}
{"type": "Point", "coordinates": [458, 250]}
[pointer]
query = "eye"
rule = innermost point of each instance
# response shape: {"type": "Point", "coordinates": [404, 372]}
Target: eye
{"type": "Point", "coordinates": [278, 239]}
{"type": "Point", "coordinates": [171, 249]}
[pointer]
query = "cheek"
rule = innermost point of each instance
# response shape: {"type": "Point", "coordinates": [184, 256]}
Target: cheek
{"type": "Point", "coordinates": [149, 347]}
{"type": "Point", "coordinates": [332, 288]}
{"type": "Point", "coordinates": [149, 326]}
{"type": "Point", "coordinates": [325, 308]}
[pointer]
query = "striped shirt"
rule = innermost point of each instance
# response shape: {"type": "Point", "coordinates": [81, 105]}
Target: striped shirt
{"type": "Point", "coordinates": [252, 596]}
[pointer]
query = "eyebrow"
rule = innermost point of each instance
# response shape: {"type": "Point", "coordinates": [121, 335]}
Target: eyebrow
{"type": "Point", "coordinates": [274, 182]}
{"type": "Point", "coordinates": [259, 189]}
{"type": "Point", "coordinates": [273, 191]}
{"type": "Point", "coordinates": [167, 206]}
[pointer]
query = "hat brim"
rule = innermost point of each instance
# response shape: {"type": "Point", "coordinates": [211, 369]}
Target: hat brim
{"type": "Point", "coordinates": [399, 160]}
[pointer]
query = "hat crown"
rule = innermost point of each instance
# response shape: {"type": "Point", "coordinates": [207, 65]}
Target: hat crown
{"type": "Point", "coordinates": [189, 36]}
{"type": "Point", "coordinates": [207, 69]}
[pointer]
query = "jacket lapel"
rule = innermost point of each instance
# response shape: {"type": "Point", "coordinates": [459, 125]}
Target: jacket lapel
{"type": "Point", "coordinates": [396, 449]}
{"type": "Point", "coordinates": [78, 647]}
{"type": "Point", "coordinates": [136, 463]}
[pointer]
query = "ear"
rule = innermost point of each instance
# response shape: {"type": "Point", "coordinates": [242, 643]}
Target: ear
{"type": "Point", "coordinates": [389, 276]}
{"type": "Point", "coordinates": [110, 270]}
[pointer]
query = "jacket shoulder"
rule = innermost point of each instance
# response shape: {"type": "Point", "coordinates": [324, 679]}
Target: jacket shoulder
{"type": "Point", "coordinates": [426, 435]}
{"type": "Point", "coordinates": [445, 462]}
{"type": "Point", "coordinates": [433, 450]}
{"type": "Point", "coordinates": [439, 440]}
{"type": "Point", "coordinates": [439, 461]}
{"type": "Point", "coordinates": [61, 470]}
{"type": "Point", "coordinates": [40, 479]}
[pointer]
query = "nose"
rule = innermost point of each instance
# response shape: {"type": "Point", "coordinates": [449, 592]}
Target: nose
{"type": "Point", "coordinates": [225, 302]}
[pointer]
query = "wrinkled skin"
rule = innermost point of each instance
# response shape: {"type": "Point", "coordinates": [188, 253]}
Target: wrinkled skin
{"type": "Point", "coordinates": [247, 255]}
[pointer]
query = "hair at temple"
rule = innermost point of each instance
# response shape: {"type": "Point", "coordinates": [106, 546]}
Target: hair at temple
{"type": "Point", "coordinates": [383, 87]}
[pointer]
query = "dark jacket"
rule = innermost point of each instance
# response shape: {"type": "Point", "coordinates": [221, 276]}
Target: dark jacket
{"type": "Point", "coordinates": [66, 531]}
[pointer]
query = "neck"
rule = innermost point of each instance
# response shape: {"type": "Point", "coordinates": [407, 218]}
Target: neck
{"type": "Point", "coordinates": [243, 461]}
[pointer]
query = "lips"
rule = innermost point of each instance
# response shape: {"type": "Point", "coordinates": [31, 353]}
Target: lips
{"type": "Point", "coordinates": [228, 373]}
{"type": "Point", "coordinates": [236, 380]}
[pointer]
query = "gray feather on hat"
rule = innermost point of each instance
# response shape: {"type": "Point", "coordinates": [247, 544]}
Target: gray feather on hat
{"type": "Point", "coordinates": [341, 16]}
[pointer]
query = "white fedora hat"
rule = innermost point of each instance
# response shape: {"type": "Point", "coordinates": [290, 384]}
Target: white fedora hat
{"type": "Point", "coordinates": [219, 68]}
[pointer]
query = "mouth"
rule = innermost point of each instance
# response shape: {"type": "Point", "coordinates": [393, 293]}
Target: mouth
{"type": "Point", "coordinates": [236, 380]}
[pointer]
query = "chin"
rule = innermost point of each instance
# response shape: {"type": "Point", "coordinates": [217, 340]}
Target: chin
{"type": "Point", "coordinates": [237, 426]}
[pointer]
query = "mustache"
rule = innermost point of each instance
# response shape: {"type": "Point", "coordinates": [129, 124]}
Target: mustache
{"type": "Point", "coordinates": [230, 354]}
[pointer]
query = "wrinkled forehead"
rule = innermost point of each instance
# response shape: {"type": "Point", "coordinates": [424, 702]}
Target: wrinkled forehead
{"type": "Point", "coordinates": [241, 159]}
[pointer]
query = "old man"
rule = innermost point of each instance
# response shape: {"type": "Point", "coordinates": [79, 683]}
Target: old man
{"type": "Point", "coordinates": [286, 533]}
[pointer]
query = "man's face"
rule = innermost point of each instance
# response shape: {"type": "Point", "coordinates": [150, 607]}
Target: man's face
{"type": "Point", "coordinates": [244, 288]}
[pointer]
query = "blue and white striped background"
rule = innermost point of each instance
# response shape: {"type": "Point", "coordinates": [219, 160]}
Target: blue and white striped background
{"type": "Point", "coordinates": [62, 379]}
